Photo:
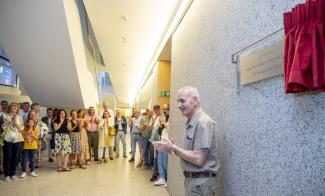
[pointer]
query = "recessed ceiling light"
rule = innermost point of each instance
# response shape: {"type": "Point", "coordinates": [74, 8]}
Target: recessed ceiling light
{"type": "Point", "coordinates": [124, 18]}
{"type": "Point", "coordinates": [124, 39]}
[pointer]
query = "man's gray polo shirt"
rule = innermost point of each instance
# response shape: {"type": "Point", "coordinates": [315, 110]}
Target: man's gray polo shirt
{"type": "Point", "coordinates": [201, 133]}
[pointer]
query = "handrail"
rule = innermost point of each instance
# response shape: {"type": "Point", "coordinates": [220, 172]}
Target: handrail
{"type": "Point", "coordinates": [235, 60]}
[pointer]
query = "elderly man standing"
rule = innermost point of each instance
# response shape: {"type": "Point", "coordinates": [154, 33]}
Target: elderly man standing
{"type": "Point", "coordinates": [199, 153]}
{"type": "Point", "coordinates": [136, 134]}
{"type": "Point", "coordinates": [120, 127]}
{"type": "Point", "coordinates": [106, 108]}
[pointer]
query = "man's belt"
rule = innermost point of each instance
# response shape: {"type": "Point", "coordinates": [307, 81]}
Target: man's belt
{"type": "Point", "coordinates": [198, 174]}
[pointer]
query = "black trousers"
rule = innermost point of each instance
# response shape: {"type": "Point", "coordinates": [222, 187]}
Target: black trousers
{"type": "Point", "coordinates": [11, 153]}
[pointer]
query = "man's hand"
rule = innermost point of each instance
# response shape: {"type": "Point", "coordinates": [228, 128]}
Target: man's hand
{"type": "Point", "coordinates": [97, 121]}
{"type": "Point", "coordinates": [164, 145]}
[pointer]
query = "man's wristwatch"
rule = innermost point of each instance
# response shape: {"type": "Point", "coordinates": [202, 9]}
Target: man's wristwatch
{"type": "Point", "coordinates": [174, 149]}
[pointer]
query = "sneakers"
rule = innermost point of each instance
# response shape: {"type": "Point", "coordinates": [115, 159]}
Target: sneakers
{"type": "Point", "coordinates": [165, 185]}
{"type": "Point", "coordinates": [160, 182]}
{"type": "Point", "coordinates": [23, 175]}
{"type": "Point", "coordinates": [7, 179]}
{"type": "Point", "coordinates": [153, 178]}
{"type": "Point", "coordinates": [33, 174]}
{"type": "Point", "coordinates": [13, 178]}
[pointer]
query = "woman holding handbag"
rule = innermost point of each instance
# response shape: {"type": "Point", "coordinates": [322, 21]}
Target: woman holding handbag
{"type": "Point", "coordinates": [106, 137]}
{"type": "Point", "coordinates": [13, 139]}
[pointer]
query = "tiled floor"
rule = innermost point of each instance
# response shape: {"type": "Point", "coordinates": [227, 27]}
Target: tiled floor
{"type": "Point", "coordinates": [117, 177]}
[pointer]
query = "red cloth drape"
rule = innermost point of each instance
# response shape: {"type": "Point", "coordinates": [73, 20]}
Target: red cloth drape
{"type": "Point", "coordinates": [304, 47]}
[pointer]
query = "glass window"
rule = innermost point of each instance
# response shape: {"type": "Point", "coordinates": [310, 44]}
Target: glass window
{"type": "Point", "coordinates": [8, 76]}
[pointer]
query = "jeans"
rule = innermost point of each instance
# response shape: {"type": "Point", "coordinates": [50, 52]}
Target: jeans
{"type": "Point", "coordinates": [162, 164]}
{"type": "Point", "coordinates": [155, 167]}
{"type": "Point", "coordinates": [120, 135]}
{"type": "Point", "coordinates": [135, 138]}
{"type": "Point", "coordinates": [147, 152]}
{"type": "Point", "coordinates": [29, 155]}
{"type": "Point", "coordinates": [1, 159]}
{"type": "Point", "coordinates": [10, 157]}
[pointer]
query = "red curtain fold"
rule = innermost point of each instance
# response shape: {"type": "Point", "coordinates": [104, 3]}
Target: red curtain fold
{"type": "Point", "coordinates": [304, 47]}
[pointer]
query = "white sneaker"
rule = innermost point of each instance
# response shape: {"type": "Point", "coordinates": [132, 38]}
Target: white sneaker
{"type": "Point", "coordinates": [165, 185]}
{"type": "Point", "coordinates": [23, 175]}
{"type": "Point", "coordinates": [33, 174]}
{"type": "Point", "coordinates": [7, 179]}
{"type": "Point", "coordinates": [160, 182]}
{"type": "Point", "coordinates": [13, 178]}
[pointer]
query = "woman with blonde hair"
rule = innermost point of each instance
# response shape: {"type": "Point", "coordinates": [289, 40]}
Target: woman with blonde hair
{"type": "Point", "coordinates": [106, 137]}
{"type": "Point", "coordinates": [13, 139]}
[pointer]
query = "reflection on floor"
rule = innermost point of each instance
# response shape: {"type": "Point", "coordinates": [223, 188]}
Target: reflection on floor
{"type": "Point", "coordinates": [117, 177]}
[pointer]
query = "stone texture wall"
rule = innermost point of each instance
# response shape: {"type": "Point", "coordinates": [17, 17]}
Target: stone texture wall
{"type": "Point", "coordinates": [271, 143]}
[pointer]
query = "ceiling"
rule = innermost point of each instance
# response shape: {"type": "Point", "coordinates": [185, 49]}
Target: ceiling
{"type": "Point", "coordinates": [128, 33]}
{"type": "Point", "coordinates": [47, 52]}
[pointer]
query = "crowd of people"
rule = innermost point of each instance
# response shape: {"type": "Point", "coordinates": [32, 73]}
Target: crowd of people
{"type": "Point", "coordinates": [145, 129]}
{"type": "Point", "coordinates": [78, 138]}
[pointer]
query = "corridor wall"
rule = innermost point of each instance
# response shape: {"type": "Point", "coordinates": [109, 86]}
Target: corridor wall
{"type": "Point", "coordinates": [271, 143]}
{"type": "Point", "coordinates": [148, 93]}
{"type": "Point", "coordinates": [163, 81]}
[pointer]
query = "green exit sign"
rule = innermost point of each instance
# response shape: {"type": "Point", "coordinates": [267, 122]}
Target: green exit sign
{"type": "Point", "coordinates": [164, 93]}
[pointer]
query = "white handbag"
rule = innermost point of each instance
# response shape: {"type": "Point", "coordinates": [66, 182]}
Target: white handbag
{"type": "Point", "coordinates": [10, 135]}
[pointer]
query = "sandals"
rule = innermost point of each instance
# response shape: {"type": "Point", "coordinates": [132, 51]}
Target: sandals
{"type": "Point", "coordinates": [66, 169]}
{"type": "Point", "coordinates": [82, 167]}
